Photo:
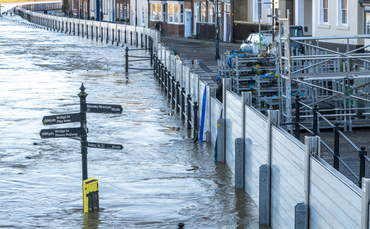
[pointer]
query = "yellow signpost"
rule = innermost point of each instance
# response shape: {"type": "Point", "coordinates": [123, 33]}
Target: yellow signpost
{"type": "Point", "coordinates": [91, 195]}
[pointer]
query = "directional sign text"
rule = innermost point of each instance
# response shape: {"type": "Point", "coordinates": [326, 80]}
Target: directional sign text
{"type": "Point", "coordinates": [104, 146]}
{"type": "Point", "coordinates": [60, 119]}
{"type": "Point", "coordinates": [103, 108]}
{"type": "Point", "coordinates": [60, 133]}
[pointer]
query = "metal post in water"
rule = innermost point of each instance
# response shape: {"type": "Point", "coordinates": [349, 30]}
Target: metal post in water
{"type": "Point", "coordinates": [112, 36]}
{"type": "Point", "coordinates": [177, 96]}
{"type": "Point", "coordinates": [336, 146]}
{"type": "Point", "coordinates": [297, 127]}
{"type": "Point", "coordinates": [188, 111]}
{"type": "Point", "coordinates": [131, 37]}
{"type": "Point", "coordinates": [141, 41]}
{"type": "Point", "coordinates": [151, 51]}
{"type": "Point", "coordinates": [182, 103]}
{"type": "Point", "coordinates": [125, 36]}
{"type": "Point", "coordinates": [315, 120]}
{"type": "Point", "coordinates": [195, 120]}
{"type": "Point", "coordinates": [146, 42]}
{"type": "Point", "coordinates": [173, 90]}
{"type": "Point", "coordinates": [137, 39]}
{"type": "Point", "coordinates": [92, 32]}
{"type": "Point", "coordinates": [101, 34]}
{"type": "Point", "coordinates": [87, 32]}
{"type": "Point", "coordinates": [107, 35]}
{"type": "Point", "coordinates": [118, 36]}
{"type": "Point", "coordinates": [126, 59]}
{"type": "Point", "coordinates": [83, 127]}
{"type": "Point", "coordinates": [169, 85]}
{"type": "Point", "coordinates": [361, 153]}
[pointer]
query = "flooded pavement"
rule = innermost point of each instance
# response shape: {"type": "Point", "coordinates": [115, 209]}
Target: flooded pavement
{"type": "Point", "coordinates": [160, 178]}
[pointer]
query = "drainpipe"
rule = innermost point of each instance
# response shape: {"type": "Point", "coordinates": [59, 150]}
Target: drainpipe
{"type": "Point", "coordinates": [232, 22]}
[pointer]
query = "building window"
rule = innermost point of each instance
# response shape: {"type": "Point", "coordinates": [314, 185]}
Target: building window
{"type": "Point", "coordinates": [367, 23]}
{"type": "Point", "coordinates": [176, 13]}
{"type": "Point", "coordinates": [343, 12]}
{"type": "Point", "coordinates": [324, 11]}
{"type": "Point", "coordinates": [210, 13]}
{"type": "Point", "coordinates": [204, 12]}
{"type": "Point", "coordinates": [156, 14]}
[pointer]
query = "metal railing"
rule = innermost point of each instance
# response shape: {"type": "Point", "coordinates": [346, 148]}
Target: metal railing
{"type": "Point", "coordinates": [181, 101]}
{"type": "Point", "coordinates": [316, 116]}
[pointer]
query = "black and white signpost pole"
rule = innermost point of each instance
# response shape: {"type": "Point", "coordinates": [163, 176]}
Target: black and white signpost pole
{"type": "Point", "coordinates": [83, 127]}
{"type": "Point", "coordinates": [90, 186]}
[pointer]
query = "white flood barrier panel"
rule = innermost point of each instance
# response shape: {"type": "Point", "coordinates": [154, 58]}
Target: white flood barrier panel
{"type": "Point", "coordinates": [233, 126]}
{"type": "Point", "coordinates": [255, 150]}
{"type": "Point", "coordinates": [333, 202]}
{"type": "Point", "coordinates": [287, 177]}
{"type": "Point", "coordinates": [216, 107]}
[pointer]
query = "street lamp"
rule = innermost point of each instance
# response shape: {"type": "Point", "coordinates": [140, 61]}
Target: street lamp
{"type": "Point", "coordinates": [217, 33]}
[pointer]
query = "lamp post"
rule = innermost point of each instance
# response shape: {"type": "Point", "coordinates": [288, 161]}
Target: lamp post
{"type": "Point", "coordinates": [217, 33]}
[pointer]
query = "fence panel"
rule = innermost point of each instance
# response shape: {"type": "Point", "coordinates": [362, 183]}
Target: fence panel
{"type": "Point", "coordinates": [255, 150]}
{"type": "Point", "coordinates": [333, 202]}
{"type": "Point", "coordinates": [216, 107]}
{"type": "Point", "coordinates": [233, 126]}
{"type": "Point", "coordinates": [287, 177]}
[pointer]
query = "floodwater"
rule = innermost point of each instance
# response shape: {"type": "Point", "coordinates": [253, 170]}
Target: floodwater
{"type": "Point", "coordinates": [160, 178]}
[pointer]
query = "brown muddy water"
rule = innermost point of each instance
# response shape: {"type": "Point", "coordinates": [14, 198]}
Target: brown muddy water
{"type": "Point", "coordinates": [160, 178]}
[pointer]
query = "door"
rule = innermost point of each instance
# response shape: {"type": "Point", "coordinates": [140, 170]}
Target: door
{"type": "Point", "coordinates": [188, 24]}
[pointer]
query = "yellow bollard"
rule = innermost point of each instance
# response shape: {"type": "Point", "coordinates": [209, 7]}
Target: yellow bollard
{"type": "Point", "coordinates": [90, 195]}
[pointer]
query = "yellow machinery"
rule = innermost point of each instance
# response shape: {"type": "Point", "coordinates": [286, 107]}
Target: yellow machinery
{"type": "Point", "coordinates": [91, 195]}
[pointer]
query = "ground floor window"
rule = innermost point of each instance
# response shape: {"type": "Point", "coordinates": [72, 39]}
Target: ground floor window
{"type": "Point", "coordinates": [176, 13]}
{"type": "Point", "coordinates": [156, 12]}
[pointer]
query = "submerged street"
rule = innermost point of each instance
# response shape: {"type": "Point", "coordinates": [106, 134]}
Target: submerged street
{"type": "Point", "coordinates": [160, 178]}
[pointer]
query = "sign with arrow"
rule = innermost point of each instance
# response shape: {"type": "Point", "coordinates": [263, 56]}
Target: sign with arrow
{"type": "Point", "coordinates": [104, 146]}
{"type": "Point", "coordinates": [60, 133]}
{"type": "Point", "coordinates": [60, 119]}
{"type": "Point", "coordinates": [103, 108]}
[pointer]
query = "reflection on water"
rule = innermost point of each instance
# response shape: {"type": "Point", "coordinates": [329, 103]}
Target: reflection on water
{"type": "Point", "coordinates": [159, 179]}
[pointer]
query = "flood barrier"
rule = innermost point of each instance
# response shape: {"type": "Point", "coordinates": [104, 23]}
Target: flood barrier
{"type": "Point", "coordinates": [287, 179]}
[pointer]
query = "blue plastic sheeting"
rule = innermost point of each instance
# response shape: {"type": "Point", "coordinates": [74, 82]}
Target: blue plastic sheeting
{"type": "Point", "coordinates": [203, 114]}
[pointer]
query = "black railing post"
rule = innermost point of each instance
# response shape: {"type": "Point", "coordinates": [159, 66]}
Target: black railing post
{"type": "Point", "coordinates": [92, 32]}
{"type": "Point", "coordinates": [146, 42]}
{"type": "Point", "coordinates": [101, 34]}
{"type": "Point", "coordinates": [118, 36]}
{"type": "Point", "coordinates": [163, 77]}
{"type": "Point", "coordinates": [151, 51]}
{"type": "Point", "coordinates": [126, 59]}
{"type": "Point", "coordinates": [107, 36]}
{"type": "Point", "coordinates": [182, 103]}
{"type": "Point", "coordinates": [131, 37]}
{"type": "Point", "coordinates": [315, 120]}
{"type": "Point", "coordinates": [112, 36]}
{"type": "Point", "coordinates": [165, 81]}
{"type": "Point", "coordinates": [297, 127]}
{"type": "Point", "coordinates": [87, 32]}
{"type": "Point", "coordinates": [361, 153]}
{"type": "Point", "coordinates": [137, 39]}
{"type": "Point", "coordinates": [141, 41]}
{"type": "Point", "coordinates": [173, 89]}
{"type": "Point", "coordinates": [78, 29]}
{"type": "Point", "coordinates": [154, 68]}
{"type": "Point", "coordinates": [195, 120]}
{"type": "Point", "coordinates": [125, 37]}
{"type": "Point", "coordinates": [177, 96]}
{"type": "Point", "coordinates": [188, 111]}
{"type": "Point", "coordinates": [169, 85]}
{"type": "Point", "coordinates": [82, 31]}
{"type": "Point", "coordinates": [336, 146]}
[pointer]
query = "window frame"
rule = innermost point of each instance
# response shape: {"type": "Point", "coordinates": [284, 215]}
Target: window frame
{"type": "Point", "coordinates": [177, 15]}
{"type": "Point", "coordinates": [341, 10]}
{"type": "Point", "coordinates": [158, 16]}
{"type": "Point", "coordinates": [322, 10]}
